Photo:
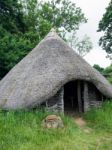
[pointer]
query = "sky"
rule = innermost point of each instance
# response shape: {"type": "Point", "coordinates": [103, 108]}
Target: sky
{"type": "Point", "coordinates": [93, 10]}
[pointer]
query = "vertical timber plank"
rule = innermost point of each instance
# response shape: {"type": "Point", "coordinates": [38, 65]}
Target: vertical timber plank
{"type": "Point", "coordinates": [102, 97]}
{"type": "Point", "coordinates": [61, 101]}
{"type": "Point", "coordinates": [79, 96]}
{"type": "Point", "coordinates": [86, 97]}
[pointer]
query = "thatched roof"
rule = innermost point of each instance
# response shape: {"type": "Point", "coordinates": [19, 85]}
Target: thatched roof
{"type": "Point", "coordinates": [50, 65]}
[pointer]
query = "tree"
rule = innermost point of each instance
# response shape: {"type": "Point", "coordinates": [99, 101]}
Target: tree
{"type": "Point", "coordinates": [60, 14]}
{"type": "Point", "coordinates": [105, 25]}
{"type": "Point", "coordinates": [107, 72]}
{"type": "Point", "coordinates": [97, 67]}
{"type": "Point", "coordinates": [11, 16]}
{"type": "Point", "coordinates": [23, 23]}
{"type": "Point", "coordinates": [82, 47]}
{"type": "Point", "coordinates": [12, 49]}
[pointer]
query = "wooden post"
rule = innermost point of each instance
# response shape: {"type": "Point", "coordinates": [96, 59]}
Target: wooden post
{"type": "Point", "coordinates": [102, 97]}
{"type": "Point", "coordinates": [79, 96]}
{"type": "Point", "coordinates": [46, 104]}
{"type": "Point", "coordinates": [86, 98]}
{"type": "Point", "coordinates": [61, 101]}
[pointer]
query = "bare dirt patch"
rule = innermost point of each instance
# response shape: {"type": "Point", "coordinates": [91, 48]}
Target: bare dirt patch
{"type": "Point", "coordinates": [80, 121]}
{"type": "Point", "coordinates": [82, 124]}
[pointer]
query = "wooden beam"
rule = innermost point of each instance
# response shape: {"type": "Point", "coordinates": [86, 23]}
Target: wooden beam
{"type": "Point", "coordinates": [79, 96]}
{"type": "Point", "coordinates": [86, 97]}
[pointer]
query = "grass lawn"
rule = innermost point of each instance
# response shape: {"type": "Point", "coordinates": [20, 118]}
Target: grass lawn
{"type": "Point", "coordinates": [23, 131]}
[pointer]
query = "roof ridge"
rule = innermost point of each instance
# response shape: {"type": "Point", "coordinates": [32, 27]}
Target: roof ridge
{"type": "Point", "coordinates": [52, 33]}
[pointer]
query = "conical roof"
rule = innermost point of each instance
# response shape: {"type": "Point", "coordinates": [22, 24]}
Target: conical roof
{"type": "Point", "coordinates": [37, 77]}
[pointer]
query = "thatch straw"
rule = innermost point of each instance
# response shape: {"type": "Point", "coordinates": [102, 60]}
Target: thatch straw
{"type": "Point", "coordinates": [44, 71]}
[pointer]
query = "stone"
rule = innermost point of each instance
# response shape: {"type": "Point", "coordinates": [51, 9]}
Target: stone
{"type": "Point", "coordinates": [52, 121]}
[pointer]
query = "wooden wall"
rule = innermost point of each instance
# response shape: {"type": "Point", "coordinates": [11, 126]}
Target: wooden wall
{"type": "Point", "coordinates": [88, 96]}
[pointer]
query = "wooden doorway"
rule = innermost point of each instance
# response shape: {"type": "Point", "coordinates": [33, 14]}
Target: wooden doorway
{"type": "Point", "coordinates": [73, 96]}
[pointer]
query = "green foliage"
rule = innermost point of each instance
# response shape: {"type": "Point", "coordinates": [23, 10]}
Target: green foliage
{"type": "Point", "coordinates": [22, 130]}
{"type": "Point", "coordinates": [11, 16]}
{"type": "Point", "coordinates": [107, 72]}
{"type": "Point", "coordinates": [83, 46]}
{"type": "Point", "coordinates": [63, 14]}
{"type": "Point", "coordinates": [106, 25]}
{"type": "Point", "coordinates": [60, 14]}
{"type": "Point", "coordinates": [97, 67]}
{"type": "Point", "coordinates": [13, 48]}
{"type": "Point", "coordinates": [101, 118]}
{"type": "Point", "coordinates": [23, 23]}
{"type": "Point", "coordinates": [110, 79]}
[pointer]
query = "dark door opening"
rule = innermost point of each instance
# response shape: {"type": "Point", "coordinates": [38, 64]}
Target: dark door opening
{"type": "Point", "coordinates": [72, 95]}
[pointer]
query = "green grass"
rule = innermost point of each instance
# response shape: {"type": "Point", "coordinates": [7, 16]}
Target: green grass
{"type": "Point", "coordinates": [23, 131]}
{"type": "Point", "coordinates": [100, 118]}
